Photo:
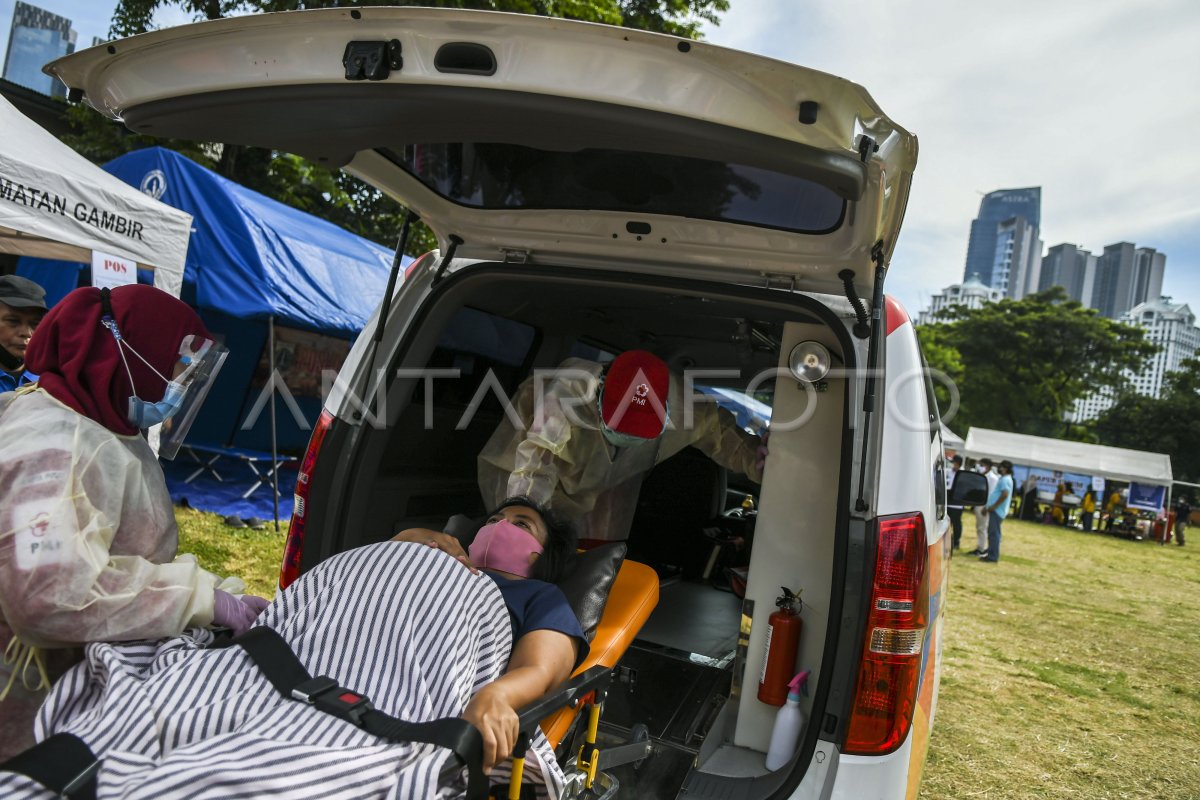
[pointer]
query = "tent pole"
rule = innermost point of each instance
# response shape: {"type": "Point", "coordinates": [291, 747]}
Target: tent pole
{"type": "Point", "coordinates": [274, 443]}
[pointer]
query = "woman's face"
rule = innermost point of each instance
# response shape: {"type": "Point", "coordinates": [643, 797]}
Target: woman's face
{"type": "Point", "coordinates": [524, 518]}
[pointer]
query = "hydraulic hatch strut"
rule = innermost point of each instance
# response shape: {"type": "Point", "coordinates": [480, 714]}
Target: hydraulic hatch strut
{"type": "Point", "coordinates": [397, 259]}
{"type": "Point", "coordinates": [860, 504]}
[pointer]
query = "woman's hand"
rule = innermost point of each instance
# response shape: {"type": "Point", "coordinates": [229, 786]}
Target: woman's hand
{"type": "Point", "coordinates": [541, 660]}
{"type": "Point", "coordinates": [490, 712]}
{"type": "Point", "coordinates": [438, 541]}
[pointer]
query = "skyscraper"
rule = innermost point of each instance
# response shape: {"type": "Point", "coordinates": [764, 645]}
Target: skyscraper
{"type": "Point", "coordinates": [36, 37]}
{"type": "Point", "coordinates": [1072, 268]}
{"type": "Point", "coordinates": [1005, 248]}
{"type": "Point", "coordinates": [1127, 275]}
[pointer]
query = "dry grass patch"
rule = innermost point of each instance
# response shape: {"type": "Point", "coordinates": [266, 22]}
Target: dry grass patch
{"type": "Point", "coordinates": [1070, 670]}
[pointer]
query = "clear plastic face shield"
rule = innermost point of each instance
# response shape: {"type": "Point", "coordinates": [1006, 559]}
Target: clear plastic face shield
{"type": "Point", "coordinates": [200, 360]}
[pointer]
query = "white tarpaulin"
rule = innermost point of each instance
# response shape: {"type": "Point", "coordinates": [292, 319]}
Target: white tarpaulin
{"type": "Point", "coordinates": [54, 203]}
{"type": "Point", "coordinates": [950, 439]}
{"type": "Point", "coordinates": [1058, 454]}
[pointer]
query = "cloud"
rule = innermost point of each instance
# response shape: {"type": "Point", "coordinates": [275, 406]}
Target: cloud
{"type": "Point", "coordinates": [1093, 101]}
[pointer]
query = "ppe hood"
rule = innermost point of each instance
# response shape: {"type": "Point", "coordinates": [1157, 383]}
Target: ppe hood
{"type": "Point", "coordinates": [539, 138]}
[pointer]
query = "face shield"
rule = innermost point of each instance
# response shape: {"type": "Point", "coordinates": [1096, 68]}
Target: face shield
{"type": "Point", "coordinates": [201, 360]}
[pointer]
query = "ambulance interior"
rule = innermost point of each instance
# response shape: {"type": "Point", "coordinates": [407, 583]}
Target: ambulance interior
{"type": "Point", "coordinates": [721, 545]}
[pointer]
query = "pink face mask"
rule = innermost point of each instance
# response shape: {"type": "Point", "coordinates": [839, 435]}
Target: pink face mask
{"type": "Point", "coordinates": [504, 546]}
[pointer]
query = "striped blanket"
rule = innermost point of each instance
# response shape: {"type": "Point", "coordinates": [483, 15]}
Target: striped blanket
{"type": "Point", "coordinates": [402, 623]}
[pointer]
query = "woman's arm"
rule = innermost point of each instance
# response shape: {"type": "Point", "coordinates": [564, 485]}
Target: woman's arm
{"type": "Point", "coordinates": [540, 662]}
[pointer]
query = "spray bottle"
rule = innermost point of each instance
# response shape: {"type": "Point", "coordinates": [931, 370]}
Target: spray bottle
{"type": "Point", "coordinates": [789, 722]}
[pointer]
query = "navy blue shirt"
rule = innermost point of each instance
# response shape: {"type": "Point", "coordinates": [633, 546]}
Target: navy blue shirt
{"type": "Point", "coordinates": [535, 605]}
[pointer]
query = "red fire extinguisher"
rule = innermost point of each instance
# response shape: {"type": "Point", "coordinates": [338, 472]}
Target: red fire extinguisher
{"type": "Point", "coordinates": [783, 640]}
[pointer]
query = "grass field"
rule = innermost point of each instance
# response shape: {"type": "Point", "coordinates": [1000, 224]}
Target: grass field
{"type": "Point", "coordinates": [1072, 667]}
{"type": "Point", "coordinates": [1072, 670]}
{"type": "Point", "coordinates": [249, 554]}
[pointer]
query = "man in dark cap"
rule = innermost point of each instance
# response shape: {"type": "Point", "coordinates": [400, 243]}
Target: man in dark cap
{"type": "Point", "coordinates": [22, 306]}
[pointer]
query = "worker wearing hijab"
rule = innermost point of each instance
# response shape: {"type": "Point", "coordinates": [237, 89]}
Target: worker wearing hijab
{"type": "Point", "coordinates": [87, 530]}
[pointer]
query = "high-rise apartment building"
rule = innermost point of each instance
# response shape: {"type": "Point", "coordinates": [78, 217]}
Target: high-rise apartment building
{"type": "Point", "coordinates": [1005, 249]}
{"type": "Point", "coordinates": [1171, 326]}
{"type": "Point", "coordinates": [1018, 258]}
{"type": "Point", "coordinates": [36, 37]}
{"type": "Point", "coordinates": [1072, 268]}
{"type": "Point", "coordinates": [971, 293]}
{"type": "Point", "coordinates": [1126, 276]}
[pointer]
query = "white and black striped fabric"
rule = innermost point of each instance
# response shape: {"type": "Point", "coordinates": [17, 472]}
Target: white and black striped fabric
{"type": "Point", "coordinates": [404, 624]}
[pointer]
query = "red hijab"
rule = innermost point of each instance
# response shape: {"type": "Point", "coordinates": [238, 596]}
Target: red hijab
{"type": "Point", "coordinates": [76, 358]}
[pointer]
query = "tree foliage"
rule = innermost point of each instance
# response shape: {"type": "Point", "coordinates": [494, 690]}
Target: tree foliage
{"type": "Point", "coordinates": [1020, 365]}
{"type": "Point", "coordinates": [332, 194]}
{"type": "Point", "coordinates": [1165, 425]}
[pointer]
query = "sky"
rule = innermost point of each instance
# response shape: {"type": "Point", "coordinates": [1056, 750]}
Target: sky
{"type": "Point", "coordinates": [1092, 100]}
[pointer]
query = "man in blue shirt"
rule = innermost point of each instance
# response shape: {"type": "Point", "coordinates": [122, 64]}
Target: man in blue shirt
{"type": "Point", "coordinates": [997, 509]}
{"type": "Point", "coordinates": [22, 306]}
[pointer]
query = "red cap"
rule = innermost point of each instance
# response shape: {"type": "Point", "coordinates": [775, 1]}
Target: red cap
{"type": "Point", "coordinates": [634, 399]}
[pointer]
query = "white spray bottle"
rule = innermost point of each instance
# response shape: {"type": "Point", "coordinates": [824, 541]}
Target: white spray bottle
{"type": "Point", "coordinates": [789, 722]}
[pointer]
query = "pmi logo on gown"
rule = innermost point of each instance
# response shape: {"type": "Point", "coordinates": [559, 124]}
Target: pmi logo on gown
{"type": "Point", "coordinates": [41, 535]}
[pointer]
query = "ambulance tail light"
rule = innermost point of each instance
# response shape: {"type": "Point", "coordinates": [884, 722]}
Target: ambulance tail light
{"type": "Point", "coordinates": [890, 670]}
{"type": "Point", "coordinates": [293, 549]}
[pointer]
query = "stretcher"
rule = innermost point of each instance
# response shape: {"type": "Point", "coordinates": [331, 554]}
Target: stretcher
{"type": "Point", "coordinates": [67, 767]}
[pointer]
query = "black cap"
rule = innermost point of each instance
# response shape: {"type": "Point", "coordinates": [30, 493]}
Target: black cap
{"type": "Point", "coordinates": [21, 292]}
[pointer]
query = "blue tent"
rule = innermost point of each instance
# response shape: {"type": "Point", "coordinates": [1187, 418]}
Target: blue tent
{"type": "Point", "coordinates": [253, 260]}
{"type": "Point", "coordinates": [255, 266]}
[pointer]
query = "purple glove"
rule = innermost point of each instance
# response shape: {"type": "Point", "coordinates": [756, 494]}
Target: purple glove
{"type": "Point", "coordinates": [256, 603]}
{"type": "Point", "coordinates": [232, 612]}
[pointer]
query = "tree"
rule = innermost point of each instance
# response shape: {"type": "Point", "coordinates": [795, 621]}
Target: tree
{"type": "Point", "coordinates": [1020, 365]}
{"type": "Point", "coordinates": [332, 194]}
{"type": "Point", "coordinates": [1165, 425]}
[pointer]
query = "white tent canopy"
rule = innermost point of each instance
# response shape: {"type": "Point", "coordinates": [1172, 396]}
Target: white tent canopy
{"type": "Point", "coordinates": [54, 203]}
{"type": "Point", "coordinates": [950, 439]}
{"type": "Point", "coordinates": [1088, 459]}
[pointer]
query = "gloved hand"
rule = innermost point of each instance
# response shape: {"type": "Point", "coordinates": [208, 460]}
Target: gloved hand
{"type": "Point", "coordinates": [234, 613]}
{"type": "Point", "coordinates": [256, 603]}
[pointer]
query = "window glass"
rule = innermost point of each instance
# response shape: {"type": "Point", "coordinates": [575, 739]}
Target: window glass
{"type": "Point", "coordinates": [477, 343]}
{"type": "Point", "coordinates": [505, 176]}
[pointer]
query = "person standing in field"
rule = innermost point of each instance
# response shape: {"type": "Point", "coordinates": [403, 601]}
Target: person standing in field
{"type": "Point", "coordinates": [981, 517]}
{"type": "Point", "coordinates": [1183, 510]}
{"type": "Point", "coordinates": [954, 512]}
{"type": "Point", "coordinates": [999, 499]}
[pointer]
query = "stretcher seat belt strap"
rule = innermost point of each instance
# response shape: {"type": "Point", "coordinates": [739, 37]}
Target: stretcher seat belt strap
{"type": "Point", "coordinates": [279, 664]}
{"type": "Point", "coordinates": [62, 763]}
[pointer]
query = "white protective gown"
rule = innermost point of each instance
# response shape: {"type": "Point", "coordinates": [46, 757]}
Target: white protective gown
{"type": "Point", "coordinates": [574, 468]}
{"type": "Point", "coordinates": [87, 538]}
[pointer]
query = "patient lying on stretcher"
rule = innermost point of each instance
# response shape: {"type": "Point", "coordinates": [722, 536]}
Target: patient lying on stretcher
{"type": "Point", "coordinates": [403, 623]}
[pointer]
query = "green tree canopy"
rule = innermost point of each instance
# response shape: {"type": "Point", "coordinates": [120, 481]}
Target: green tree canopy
{"type": "Point", "coordinates": [332, 194]}
{"type": "Point", "coordinates": [1019, 365]}
{"type": "Point", "coordinates": [1165, 425]}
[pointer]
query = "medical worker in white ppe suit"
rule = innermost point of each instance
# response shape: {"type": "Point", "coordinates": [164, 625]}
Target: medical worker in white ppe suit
{"type": "Point", "coordinates": [87, 530]}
